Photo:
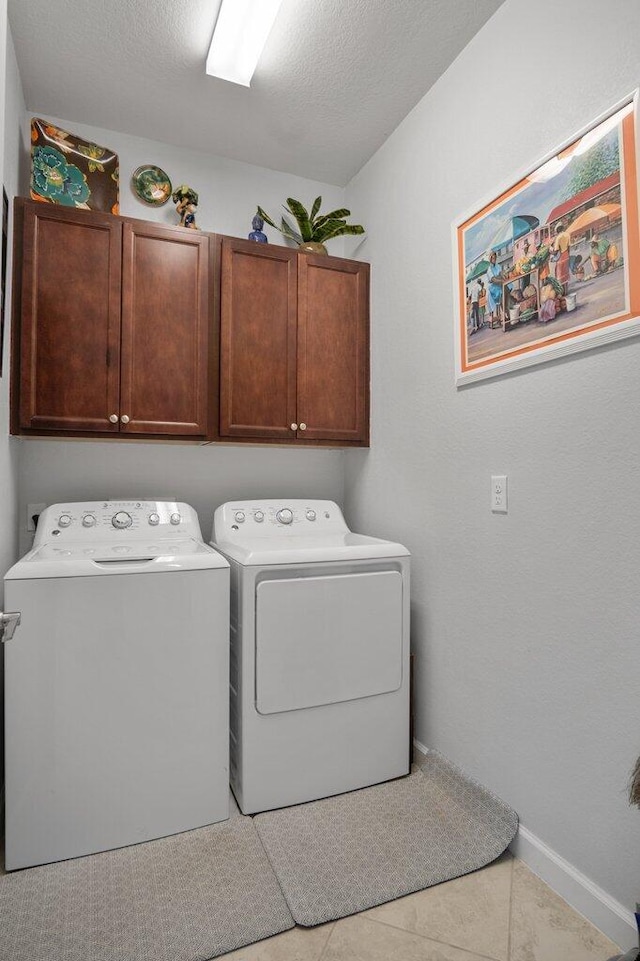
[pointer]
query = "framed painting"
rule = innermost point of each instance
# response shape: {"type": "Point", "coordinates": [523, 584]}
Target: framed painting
{"type": "Point", "coordinates": [551, 265]}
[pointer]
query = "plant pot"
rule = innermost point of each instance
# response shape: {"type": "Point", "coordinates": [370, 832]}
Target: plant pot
{"type": "Point", "coordinates": [313, 248]}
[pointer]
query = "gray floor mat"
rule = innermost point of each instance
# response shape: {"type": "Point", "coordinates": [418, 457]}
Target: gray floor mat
{"type": "Point", "coordinates": [185, 898]}
{"type": "Point", "coordinates": [348, 853]}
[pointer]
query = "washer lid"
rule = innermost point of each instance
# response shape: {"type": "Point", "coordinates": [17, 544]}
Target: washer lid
{"type": "Point", "coordinates": [80, 559]}
{"type": "Point", "coordinates": [305, 549]}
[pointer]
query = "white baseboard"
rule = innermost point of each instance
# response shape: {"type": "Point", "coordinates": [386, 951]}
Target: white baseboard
{"type": "Point", "coordinates": [611, 917]}
{"type": "Point", "coordinates": [421, 747]}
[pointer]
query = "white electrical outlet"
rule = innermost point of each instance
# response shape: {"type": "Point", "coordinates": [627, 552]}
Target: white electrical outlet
{"type": "Point", "coordinates": [33, 510]}
{"type": "Point", "coordinates": [499, 503]}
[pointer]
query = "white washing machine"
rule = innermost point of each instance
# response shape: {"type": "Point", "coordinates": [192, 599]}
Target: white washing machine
{"type": "Point", "coordinates": [319, 683]}
{"type": "Point", "coordinates": [116, 681]}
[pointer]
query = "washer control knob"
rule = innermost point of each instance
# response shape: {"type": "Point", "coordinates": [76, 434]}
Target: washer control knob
{"type": "Point", "coordinates": [154, 519]}
{"type": "Point", "coordinates": [285, 516]}
{"type": "Point", "coordinates": [310, 515]}
{"type": "Point", "coordinates": [122, 520]}
{"type": "Point", "coordinates": [239, 517]}
{"type": "Point", "coordinates": [258, 516]}
{"type": "Point", "coordinates": [89, 520]}
{"type": "Point", "coordinates": [175, 519]}
{"type": "Point", "coordinates": [64, 520]}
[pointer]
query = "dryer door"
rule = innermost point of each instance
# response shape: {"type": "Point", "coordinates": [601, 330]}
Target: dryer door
{"type": "Point", "coordinates": [321, 640]}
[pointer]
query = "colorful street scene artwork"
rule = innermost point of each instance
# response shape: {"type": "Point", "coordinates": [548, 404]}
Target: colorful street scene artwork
{"type": "Point", "coordinates": [556, 257]}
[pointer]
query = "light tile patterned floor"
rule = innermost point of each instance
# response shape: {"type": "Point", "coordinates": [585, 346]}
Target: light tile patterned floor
{"type": "Point", "coordinates": [502, 913]}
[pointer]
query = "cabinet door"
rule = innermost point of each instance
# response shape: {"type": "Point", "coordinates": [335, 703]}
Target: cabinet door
{"type": "Point", "coordinates": [333, 349]}
{"type": "Point", "coordinates": [257, 340]}
{"type": "Point", "coordinates": [70, 325]}
{"type": "Point", "coordinates": [165, 330]}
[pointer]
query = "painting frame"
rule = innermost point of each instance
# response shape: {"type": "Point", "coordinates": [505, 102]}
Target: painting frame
{"type": "Point", "coordinates": [609, 307]}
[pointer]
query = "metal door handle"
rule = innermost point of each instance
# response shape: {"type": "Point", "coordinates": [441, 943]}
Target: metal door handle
{"type": "Point", "coordinates": [8, 624]}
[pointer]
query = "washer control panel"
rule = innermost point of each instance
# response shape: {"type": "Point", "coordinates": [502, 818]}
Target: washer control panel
{"type": "Point", "coordinates": [271, 518]}
{"type": "Point", "coordinates": [117, 520]}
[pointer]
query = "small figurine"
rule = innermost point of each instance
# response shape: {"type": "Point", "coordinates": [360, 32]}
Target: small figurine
{"type": "Point", "coordinates": [186, 200]}
{"type": "Point", "coordinates": [256, 234]}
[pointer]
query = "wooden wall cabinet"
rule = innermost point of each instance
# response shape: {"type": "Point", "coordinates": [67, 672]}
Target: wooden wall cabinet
{"type": "Point", "coordinates": [115, 333]}
{"type": "Point", "coordinates": [294, 346]}
{"type": "Point", "coordinates": [114, 325]}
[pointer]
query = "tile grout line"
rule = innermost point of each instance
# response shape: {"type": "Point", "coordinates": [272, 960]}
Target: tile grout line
{"type": "Point", "coordinates": [424, 937]}
{"type": "Point", "coordinates": [326, 943]}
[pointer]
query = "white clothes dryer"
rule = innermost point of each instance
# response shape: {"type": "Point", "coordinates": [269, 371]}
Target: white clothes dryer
{"type": "Point", "coordinates": [319, 672]}
{"type": "Point", "coordinates": [116, 681]}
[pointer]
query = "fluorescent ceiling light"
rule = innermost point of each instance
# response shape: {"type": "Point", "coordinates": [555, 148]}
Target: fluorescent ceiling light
{"type": "Point", "coordinates": [239, 36]}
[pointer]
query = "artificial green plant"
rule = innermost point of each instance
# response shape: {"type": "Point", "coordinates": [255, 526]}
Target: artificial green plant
{"type": "Point", "coordinates": [313, 227]}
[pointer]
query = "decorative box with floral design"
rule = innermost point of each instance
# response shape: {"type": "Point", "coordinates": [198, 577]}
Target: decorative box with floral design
{"type": "Point", "coordinates": [70, 171]}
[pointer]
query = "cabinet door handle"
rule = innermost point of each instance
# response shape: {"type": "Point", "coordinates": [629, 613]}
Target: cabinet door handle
{"type": "Point", "coordinates": [113, 418]}
{"type": "Point", "coordinates": [294, 427]}
{"type": "Point", "coordinates": [124, 419]}
{"type": "Point", "coordinates": [303, 426]}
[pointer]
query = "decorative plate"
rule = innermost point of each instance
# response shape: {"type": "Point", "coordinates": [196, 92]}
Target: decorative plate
{"type": "Point", "coordinates": [70, 171]}
{"type": "Point", "coordinates": [151, 185]}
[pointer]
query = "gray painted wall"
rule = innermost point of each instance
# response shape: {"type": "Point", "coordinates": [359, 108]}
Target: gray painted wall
{"type": "Point", "coordinates": [524, 626]}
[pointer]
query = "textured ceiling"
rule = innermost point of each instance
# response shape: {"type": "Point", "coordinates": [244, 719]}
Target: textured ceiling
{"type": "Point", "coordinates": [336, 76]}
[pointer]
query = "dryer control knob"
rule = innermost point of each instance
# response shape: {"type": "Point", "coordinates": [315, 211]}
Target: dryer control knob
{"type": "Point", "coordinates": [89, 520]}
{"type": "Point", "coordinates": [239, 517]}
{"type": "Point", "coordinates": [122, 520]}
{"type": "Point", "coordinates": [64, 520]}
{"type": "Point", "coordinates": [175, 519]}
{"type": "Point", "coordinates": [311, 515]}
{"type": "Point", "coordinates": [154, 519]}
{"type": "Point", "coordinates": [258, 516]}
{"type": "Point", "coordinates": [285, 516]}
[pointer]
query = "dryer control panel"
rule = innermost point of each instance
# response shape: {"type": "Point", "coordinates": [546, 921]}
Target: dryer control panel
{"type": "Point", "coordinates": [123, 520]}
{"type": "Point", "coordinates": [277, 518]}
